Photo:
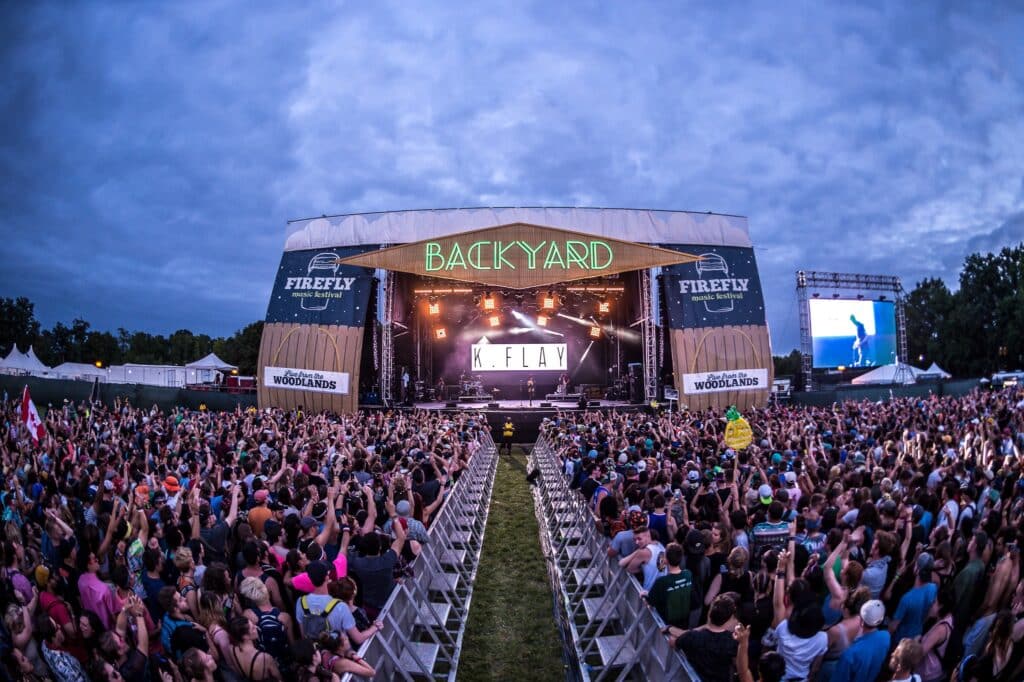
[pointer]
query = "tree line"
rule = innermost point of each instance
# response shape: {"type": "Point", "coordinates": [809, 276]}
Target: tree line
{"type": "Point", "coordinates": [972, 332]}
{"type": "Point", "coordinates": [79, 342]}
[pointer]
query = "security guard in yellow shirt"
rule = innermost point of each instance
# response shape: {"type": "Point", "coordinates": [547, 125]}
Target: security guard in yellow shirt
{"type": "Point", "coordinates": [507, 432]}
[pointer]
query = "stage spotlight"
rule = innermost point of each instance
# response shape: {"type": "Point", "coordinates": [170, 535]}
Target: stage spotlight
{"type": "Point", "coordinates": [440, 333]}
{"type": "Point", "coordinates": [542, 320]}
{"type": "Point", "coordinates": [595, 332]}
{"type": "Point", "coordinates": [604, 307]}
{"type": "Point", "coordinates": [434, 308]}
{"type": "Point", "coordinates": [489, 302]}
{"type": "Point", "coordinates": [548, 303]}
{"type": "Point", "coordinates": [494, 320]}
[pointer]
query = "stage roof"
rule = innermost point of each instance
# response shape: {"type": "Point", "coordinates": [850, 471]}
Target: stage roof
{"type": "Point", "coordinates": [401, 227]}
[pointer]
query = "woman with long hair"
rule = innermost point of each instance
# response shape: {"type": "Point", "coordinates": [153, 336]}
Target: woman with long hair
{"type": "Point", "coordinates": [211, 616]}
{"type": "Point", "coordinates": [246, 659]}
{"type": "Point", "coordinates": [842, 577]}
{"type": "Point", "coordinates": [932, 667]}
{"type": "Point", "coordinates": [338, 657]}
{"type": "Point", "coordinates": [198, 666]}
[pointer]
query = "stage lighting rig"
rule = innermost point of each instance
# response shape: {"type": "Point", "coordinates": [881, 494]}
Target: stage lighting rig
{"type": "Point", "coordinates": [604, 307]}
{"type": "Point", "coordinates": [542, 320]}
{"type": "Point", "coordinates": [434, 308]}
{"type": "Point", "coordinates": [494, 320]}
{"type": "Point", "coordinates": [548, 302]}
{"type": "Point", "coordinates": [595, 332]}
{"type": "Point", "coordinates": [440, 333]}
{"type": "Point", "coordinates": [489, 302]}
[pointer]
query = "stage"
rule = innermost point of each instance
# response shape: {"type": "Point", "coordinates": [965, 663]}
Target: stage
{"type": "Point", "coordinates": [527, 419]}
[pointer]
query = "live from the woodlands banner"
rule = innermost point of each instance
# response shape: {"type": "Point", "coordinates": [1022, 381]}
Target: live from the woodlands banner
{"type": "Point", "coordinates": [318, 381]}
{"type": "Point", "coordinates": [314, 287]}
{"type": "Point", "coordinates": [721, 289]}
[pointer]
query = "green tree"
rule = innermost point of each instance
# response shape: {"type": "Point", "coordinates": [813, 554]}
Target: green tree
{"type": "Point", "coordinates": [18, 324]}
{"type": "Point", "coordinates": [929, 308]}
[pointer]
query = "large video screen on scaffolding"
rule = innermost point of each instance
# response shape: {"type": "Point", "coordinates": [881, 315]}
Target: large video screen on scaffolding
{"type": "Point", "coordinates": [852, 333]}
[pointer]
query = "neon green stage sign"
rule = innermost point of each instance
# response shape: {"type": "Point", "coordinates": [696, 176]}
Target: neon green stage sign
{"type": "Point", "coordinates": [518, 254]}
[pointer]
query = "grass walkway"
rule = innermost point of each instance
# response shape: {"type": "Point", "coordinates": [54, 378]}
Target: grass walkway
{"type": "Point", "coordinates": [511, 632]}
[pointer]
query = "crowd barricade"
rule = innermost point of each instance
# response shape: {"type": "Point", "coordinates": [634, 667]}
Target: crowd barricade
{"type": "Point", "coordinates": [425, 617]}
{"type": "Point", "coordinates": [615, 634]}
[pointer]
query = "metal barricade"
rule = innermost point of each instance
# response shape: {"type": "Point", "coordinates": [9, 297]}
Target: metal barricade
{"type": "Point", "coordinates": [616, 635]}
{"type": "Point", "coordinates": [425, 617]}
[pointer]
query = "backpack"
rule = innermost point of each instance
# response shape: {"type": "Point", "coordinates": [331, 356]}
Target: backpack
{"type": "Point", "coordinates": [273, 638]}
{"type": "Point", "coordinates": [315, 623]}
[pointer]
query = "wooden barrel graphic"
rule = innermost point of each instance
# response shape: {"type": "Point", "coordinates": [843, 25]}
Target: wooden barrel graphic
{"type": "Point", "coordinates": [309, 351]}
{"type": "Point", "coordinates": [714, 366]}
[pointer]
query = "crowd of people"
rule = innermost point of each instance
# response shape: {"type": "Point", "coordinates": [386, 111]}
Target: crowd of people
{"type": "Point", "coordinates": [857, 542]}
{"type": "Point", "coordinates": [140, 544]}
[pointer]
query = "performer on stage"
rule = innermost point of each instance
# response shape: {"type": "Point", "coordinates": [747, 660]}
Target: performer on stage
{"type": "Point", "coordinates": [406, 396]}
{"type": "Point", "coordinates": [859, 343]}
{"type": "Point", "coordinates": [440, 388]}
{"type": "Point", "coordinates": [563, 384]}
{"type": "Point", "coordinates": [530, 389]}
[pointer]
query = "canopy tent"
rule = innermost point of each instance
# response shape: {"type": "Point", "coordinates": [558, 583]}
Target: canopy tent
{"type": "Point", "coordinates": [896, 373]}
{"type": "Point", "coordinates": [211, 362]}
{"type": "Point", "coordinates": [79, 370]}
{"type": "Point", "coordinates": [23, 362]}
{"type": "Point", "coordinates": [935, 370]}
{"type": "Point", "coordinates": [14, 360]}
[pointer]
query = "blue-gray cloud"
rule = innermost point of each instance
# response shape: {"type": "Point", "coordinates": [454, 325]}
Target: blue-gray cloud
{"type": "Point", "coordinates": [151, 154]}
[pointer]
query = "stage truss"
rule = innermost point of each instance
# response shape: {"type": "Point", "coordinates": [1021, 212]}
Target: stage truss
{"type": "Point", "coordinates": [810, 282]}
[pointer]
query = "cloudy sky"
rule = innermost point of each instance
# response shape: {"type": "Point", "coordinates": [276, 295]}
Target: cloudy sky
{"type": "Point", "coordinates": [152, 152]}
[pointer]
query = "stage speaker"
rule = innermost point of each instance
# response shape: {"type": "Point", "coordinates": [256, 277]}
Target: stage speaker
{"type": "Point", "coordinates": [451, 405]}
{"type": "Point", "coordinates": [493, 406]}
{"type": "Point", "coordinates": [594, 403]}
{"type": "Point", "coordinates": [545, 404]}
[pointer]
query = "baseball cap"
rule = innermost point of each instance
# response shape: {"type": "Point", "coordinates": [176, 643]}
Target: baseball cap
{"type": "Point", "coordinates": [790, 477]}
{"type": "Point", "coordinates": [695, 542]}
{"type": "Point", "coordinates": [693, 476]}
{"type": "Point", "coordinates": [765, 493]}
{"type": "Point", "coordinates": [307, 522]}
{"type": "Point", "coordinates": [776, 458]}
{"type": "Point", "coordinates": [261, 495]}
{"type": "Point", "coordinates": [872, 613]}
{"type": "Point", "coordinates": [925, 562]}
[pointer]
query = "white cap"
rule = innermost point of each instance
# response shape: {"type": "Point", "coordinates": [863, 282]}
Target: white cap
{"type": "Point", "coordinates": [872, 613]}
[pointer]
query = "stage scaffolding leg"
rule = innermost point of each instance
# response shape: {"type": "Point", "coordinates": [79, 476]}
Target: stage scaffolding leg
{"type": "Point", "coordinates": [387, 346]}
{"type": "Point", "coordinates": [649, 332]}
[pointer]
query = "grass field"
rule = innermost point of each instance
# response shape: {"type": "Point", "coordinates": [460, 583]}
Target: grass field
{"type": "Point", "coordinates": [511, 632]}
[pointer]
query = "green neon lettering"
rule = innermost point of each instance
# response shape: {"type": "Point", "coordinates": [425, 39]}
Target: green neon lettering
{"type": "Point", "coordinates": [554, 255]}
{"type": "Point", "coordinates": [499, 255]}
{"type": "Point", "coordinates": [594, 247]}
{"type": "Point", "coordinates": [531, 254]}
{"type": "Point", "coordinates": [456, 258]}
{"type": "Point", "coordinates": [574, 256]}
{"type": "Point", "coordinates": [433, 255]}
{"type": "Point", "coordinates": [473, 256]}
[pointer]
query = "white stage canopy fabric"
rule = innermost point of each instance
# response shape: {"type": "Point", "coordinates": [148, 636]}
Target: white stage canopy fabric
{"type": "Point", "coordinates": [211, 362]}
{"type": "Point", "coordinates": [889, 374]}
{"type": "Point", "coordinates": [935, 369]}
{"type": "Point", "coordinates": [403, 227]}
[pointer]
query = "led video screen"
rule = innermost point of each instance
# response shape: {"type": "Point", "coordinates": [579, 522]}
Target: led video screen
{"type": "Point", "coordinates": [533, 357]}
{"type": "Point", "coordinates": [853, 333]}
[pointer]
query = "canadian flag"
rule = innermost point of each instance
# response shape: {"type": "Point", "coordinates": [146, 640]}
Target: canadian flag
{"type": "Point", "coordinates": [30, 417]}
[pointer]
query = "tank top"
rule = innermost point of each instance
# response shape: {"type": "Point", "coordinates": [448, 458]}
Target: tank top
{"type": "Point", "coordinates": [930, 667]}
{"type": "Point", "coordinates": [658, 524]}
{"type": "Point", "coordinates": [654, 566]}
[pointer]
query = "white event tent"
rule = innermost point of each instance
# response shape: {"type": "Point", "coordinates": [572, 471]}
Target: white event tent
{"type": "Point", "coordinates": [896, 373]}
